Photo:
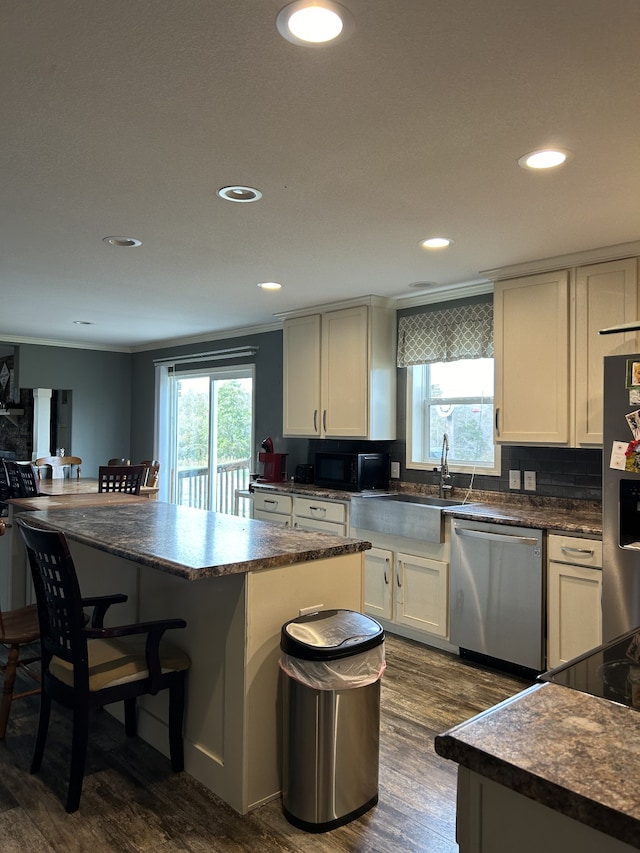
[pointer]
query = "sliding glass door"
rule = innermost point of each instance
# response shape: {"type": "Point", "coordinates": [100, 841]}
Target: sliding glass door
{"type": "Point", "coordinates": [206, 436]}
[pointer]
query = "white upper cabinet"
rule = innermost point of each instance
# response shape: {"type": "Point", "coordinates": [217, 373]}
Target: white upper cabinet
{"type": "Point", "coordinates": [531, 340]}
{"type": "Point", "coordinates": [548, 353]}
{"type": "Point", "coordinates": [339, 374]}
{"type": "Point", "coordinates": [301, 381]}
{"type": "Point", "coordinates": [606, 295]}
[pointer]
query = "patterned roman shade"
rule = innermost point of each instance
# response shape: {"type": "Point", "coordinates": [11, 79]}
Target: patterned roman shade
{"type": "Point", "coordinates": [446, 334]}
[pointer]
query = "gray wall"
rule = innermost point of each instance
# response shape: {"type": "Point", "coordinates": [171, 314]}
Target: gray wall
{"type": "Point", "coordinates": [113, 414]}
{"type": "Point", "coordinates": [100, 383]}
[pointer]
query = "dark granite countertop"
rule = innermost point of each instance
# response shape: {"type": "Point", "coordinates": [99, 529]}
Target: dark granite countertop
{"type": "Point", "coordinates": [575, 753]}
{"type": "Point", "coordinates": [579, 521]}
{"type": "Point", "coordinates": [192, 543]}
{"type": "Point", "coordinates": [553, 514]}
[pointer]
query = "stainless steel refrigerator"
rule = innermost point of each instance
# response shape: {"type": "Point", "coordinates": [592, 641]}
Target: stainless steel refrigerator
{"type": "Point", "coordinates": [621, 496]}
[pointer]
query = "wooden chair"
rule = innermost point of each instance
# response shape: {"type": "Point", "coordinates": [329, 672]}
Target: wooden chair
{"type": "Point", "coordinates": [18, 628]}
{"type": "Point", "coordinates": [152, 467]}
{"type": "Point", "coordinates": [57, 465]}
{"type": "Point", "coordinates": [87, 667]}
{"type": "Point", "coordinates": [119, 462]}
{"type": "Point", "coordinates": [23, 479]}
{"type": "Point", "coordinates": [120, 478]}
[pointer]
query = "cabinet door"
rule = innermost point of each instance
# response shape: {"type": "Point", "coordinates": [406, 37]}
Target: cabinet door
{"type": "Point", "coordinates": [301, 374]}
{"type": "Point", "coordinates": [319, 510]}
{"type": "Point", "coordinates": [606, 295]}
{"type": "Point", "coordinates": [345, 372]}
{"type": "Point", "coordinates": [531, 335]}
{"type": "Point", "coordinates": [378, 569]}
{"type": "Point", "coordinates": [421, 594]}
{"type": "Point", "coordinates": [574, 615]}
{"type": "Point", "coordinates": [272, 517]}
{"type": "Point", "coordinates": [324, 526]}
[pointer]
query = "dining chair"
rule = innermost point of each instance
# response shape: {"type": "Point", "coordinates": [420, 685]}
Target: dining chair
{"type": "Point", "coordinates": [57, 465]}
{"type": "Point", "coordinates": [23, 479]}
{"type": "Point", "coordinates": [85, 667]}
{"type": "Point", "coordinates": [152, 467]}
{"type": "Point", "coordinates": [119, 462]}
{"type": "Point", "coordinates": [18, 629]}
{"type": "Point", "coordinates": [120, 478]}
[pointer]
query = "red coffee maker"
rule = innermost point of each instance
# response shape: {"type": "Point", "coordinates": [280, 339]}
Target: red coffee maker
{"type": "Point", "coordinates": [274, 465]}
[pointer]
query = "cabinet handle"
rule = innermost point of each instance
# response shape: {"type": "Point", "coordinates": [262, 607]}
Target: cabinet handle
{"type": "Point", "coordinates": [398, 575]}
{"type": "Point", "coordinates": [386, 573]}
{"type": "Point", "coordinates": [318, 510]}
{"type": "Point", "coordinates": [567, 550]}
{"type": "Point", "coordinates": [270, 502]}
{"type": "Point", "coordinates": [324, 420]}
{"type": "Point", "coordinates": [497, 421]}
{"type": "Point", "coordinates": [496, 537]}
{"type": "Point", "coordinates": [315, 420]}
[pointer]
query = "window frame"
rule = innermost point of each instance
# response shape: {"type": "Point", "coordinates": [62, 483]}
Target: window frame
{"type": "Point", "coordinates": [455, 466]}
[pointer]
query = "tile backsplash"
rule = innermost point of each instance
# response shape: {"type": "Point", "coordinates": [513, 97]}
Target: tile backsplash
{"type": "Point", "coordinates": [560, 472]}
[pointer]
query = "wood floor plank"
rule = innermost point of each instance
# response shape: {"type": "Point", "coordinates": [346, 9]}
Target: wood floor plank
{"type": "Point", "coordinates": [133, 803]}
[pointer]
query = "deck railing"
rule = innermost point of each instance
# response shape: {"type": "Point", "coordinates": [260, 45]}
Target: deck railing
{"type": "Point", "coordinates": [193, 487]}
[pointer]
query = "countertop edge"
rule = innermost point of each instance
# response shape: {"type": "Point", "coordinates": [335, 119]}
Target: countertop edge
{"type": "Point", "coordinates": [573, 804]}
{"type": "Point", "coordinates": [279, 558]}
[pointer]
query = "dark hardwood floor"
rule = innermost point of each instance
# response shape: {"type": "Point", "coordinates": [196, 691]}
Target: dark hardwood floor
{"type": "Point", "coordinates": [132, 801]}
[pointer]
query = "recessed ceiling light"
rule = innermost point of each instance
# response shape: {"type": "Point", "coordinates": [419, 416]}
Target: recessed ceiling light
{"type": "Point", "coordinates": [436, 243]}
{"type": "Point", "coordinates": [314, 22]}
{"type": "Point", "coordinates": [82, 323]}
{"type": "Point", "coordinates": [122, 242]}
{"type": "Point", "coordinates": [238, 193]}
{"type": "Point", "coordinates": [421, 285]}
{"type": "Point", "coordinates": [544, 158]}
{"type": "Point", "coordinates": [269, 285]}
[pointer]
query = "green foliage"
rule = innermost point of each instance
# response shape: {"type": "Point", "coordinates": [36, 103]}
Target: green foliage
{"type": "Point", "coordinates": [233, 427]}
{"type": "Point", "coordinates": [234, 421]}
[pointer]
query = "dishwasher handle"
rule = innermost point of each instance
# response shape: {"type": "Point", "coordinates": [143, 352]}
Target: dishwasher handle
{"type": "Point", "coordinates": [496, 537]}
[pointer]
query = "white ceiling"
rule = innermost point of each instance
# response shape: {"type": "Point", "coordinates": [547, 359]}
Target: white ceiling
{"type": "Point", "coordinates": [124, 118]}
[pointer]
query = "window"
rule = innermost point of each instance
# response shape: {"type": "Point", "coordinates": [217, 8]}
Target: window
{"type": "Point", "coordinates": [455, 398]}
{"type": "Point", "coordinates": [206, 436]}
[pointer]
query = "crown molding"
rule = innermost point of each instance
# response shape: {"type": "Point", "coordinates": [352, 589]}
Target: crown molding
{"type": "Point", "coordinates": [576, 259]}
{"type": "Point", "coordinates": [208, 336]}
{"type": "Point", "coordinates": [444, 293]}
{"type": "Point", "coordinates": [356, 302]}
{"type": "Point", "coordinates": [52, 342]}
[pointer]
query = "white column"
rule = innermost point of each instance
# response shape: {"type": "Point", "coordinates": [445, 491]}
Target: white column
{"type": "Point", "coordinates": [41, 422]}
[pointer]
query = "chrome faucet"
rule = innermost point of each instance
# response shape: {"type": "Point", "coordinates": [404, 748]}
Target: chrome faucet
{"type": "Point", "coordinates": [445, 476]}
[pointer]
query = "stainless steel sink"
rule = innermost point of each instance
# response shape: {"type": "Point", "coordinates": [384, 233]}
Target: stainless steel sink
{"type": "Point", "coordinates": [400, 514]}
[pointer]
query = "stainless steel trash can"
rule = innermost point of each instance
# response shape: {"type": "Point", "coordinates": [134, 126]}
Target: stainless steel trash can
{"type": "Point", "coordinates": [332, 662]}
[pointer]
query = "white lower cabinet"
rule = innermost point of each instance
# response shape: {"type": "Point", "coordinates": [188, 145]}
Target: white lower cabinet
{"type": "Point", "coordinates": [574, 591]}
{"type": "Point", "coordinates": [328, 516]}
{"type": "Point", "coordinates": [408, 591]}
{"type": "Point", "coordinates": [378, 583]}
{"type": "Point", "coordinates": [302, 513]}
{"type": "Point", "coordinates": [421, 600]}
{"type": "Point", "coordinates": [272, 506]}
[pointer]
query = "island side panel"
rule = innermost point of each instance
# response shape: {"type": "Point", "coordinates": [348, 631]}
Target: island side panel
{"type": "Point", "coordinates": [274, 597]}
{"type": "Point", "coordinates": [492, 818]}
{"type": "Point", "coordinates": [214, 639]}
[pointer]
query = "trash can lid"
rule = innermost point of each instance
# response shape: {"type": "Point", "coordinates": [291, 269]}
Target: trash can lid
{"type": "Point", "coordinates": [330, 634]}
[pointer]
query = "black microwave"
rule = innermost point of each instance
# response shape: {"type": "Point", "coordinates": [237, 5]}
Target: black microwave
{"type": "Point", "coordinates": [354, 472]}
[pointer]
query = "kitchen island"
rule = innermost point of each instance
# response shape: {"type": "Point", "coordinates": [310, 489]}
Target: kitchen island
{"type": "Point", "coordinates": [235, 581]}
{"type": "Point", "coordinates": [550, 769]}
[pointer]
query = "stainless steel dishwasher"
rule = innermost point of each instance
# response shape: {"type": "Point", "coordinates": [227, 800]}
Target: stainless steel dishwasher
{"type": "Point", "coordinates": [497, 592]}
